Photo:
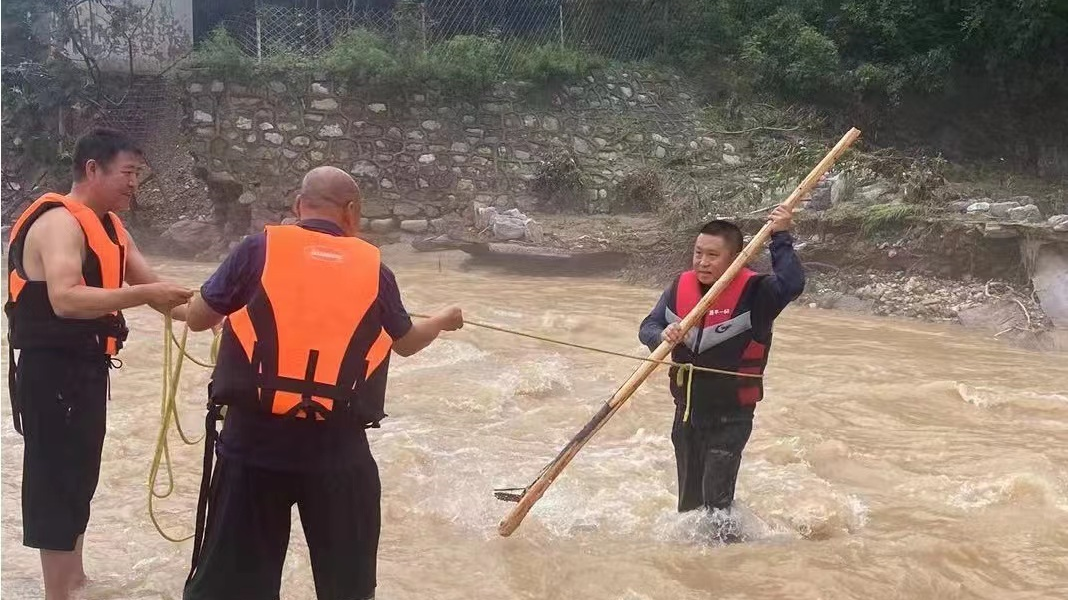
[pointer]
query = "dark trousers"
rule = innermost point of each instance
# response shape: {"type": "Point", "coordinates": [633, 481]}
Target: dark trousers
{"type": "Point", "coordinates": [708, 452]}
{"type": "Point", "coordinates": [248, 524]}
{"type": "Point", "coordinates": [62, 398]}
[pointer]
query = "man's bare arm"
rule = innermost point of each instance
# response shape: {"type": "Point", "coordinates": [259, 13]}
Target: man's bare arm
{"type": "Point", "coordinates": [424, 332]}
{"type": "Point", "coordinates": [59, 240]}
{"type": "Point", "coordinates": [199, 316]}
{"type": "Point", "coordinates": [137, 269]}
{"type": "Point", "coordinates": [139, 272]}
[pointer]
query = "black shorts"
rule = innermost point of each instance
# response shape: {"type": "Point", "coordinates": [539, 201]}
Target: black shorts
{"type": "Point", "coordinates": [248, 523]}
{"type": "Point", "coordinates": [63, 401]}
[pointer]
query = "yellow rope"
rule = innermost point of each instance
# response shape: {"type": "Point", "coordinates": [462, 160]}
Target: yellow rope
{"type": "Point", "coordinates": [172, 371]}
{"type": "Point", "coordinates": [540, 338]}
{"type": "Point", "coordinates": [201, 363]}
{"type": "Point", "coordinates": [688, 370]}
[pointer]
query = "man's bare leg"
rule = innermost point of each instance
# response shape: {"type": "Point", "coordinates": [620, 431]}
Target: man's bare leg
{"type": "Point", "coordinates": [63, 571]}
{"type": "Point", "coordinates": [59, 569]}
{"type": "Point", "coordinates": [78, 576]}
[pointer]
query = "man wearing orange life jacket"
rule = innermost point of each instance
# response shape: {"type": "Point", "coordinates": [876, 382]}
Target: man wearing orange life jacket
{"type": "Point", "coordinates": [313, 316]}
{"type": "Point", "coordinates": [714, 412]}
{"type": "Point", "coordinates": [68, 259]}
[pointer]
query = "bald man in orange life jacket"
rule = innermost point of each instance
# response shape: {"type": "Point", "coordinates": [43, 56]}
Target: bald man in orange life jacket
{"type": "Point", "coordinates": [68, 259]}
{"type": "Point", "coordinates": [714, 413]}
{"type": "Point", "coordinates": [313, 316]}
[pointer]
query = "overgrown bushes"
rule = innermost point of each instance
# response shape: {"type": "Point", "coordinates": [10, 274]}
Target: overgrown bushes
{"type": "Point", "coordinates": [638, 191]}
{"type": "Point", "coordinates": [464, 64]}
{"type": "Point", "coordinates": [558, 182]}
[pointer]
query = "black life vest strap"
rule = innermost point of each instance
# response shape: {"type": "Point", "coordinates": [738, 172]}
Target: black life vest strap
{"type": "Point", "coordinates": [265, 358]}
{"type": "Point", "coordinates": [306, 389]}
{"type": "Point", "coordinates": [271, 383]}
{"type": "Point", "coordinates": [211, 435]}
{"type": "Point", "coordinates": [13, 386]}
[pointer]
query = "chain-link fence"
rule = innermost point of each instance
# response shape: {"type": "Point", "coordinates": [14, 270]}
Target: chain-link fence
{"type": "Point", "coordinates": [617, 29]}
{"type": "Point", "coordinates": [270, 29]}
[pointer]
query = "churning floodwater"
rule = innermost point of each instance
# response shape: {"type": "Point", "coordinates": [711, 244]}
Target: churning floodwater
{"type": "Point", "coordinates": [890, 459]}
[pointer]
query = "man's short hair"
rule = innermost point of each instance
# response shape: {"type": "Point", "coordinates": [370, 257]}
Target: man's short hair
{"type": "Point", "coordinates": [102, 145]}
{"type": "Point", "coordinates": [726, 230]}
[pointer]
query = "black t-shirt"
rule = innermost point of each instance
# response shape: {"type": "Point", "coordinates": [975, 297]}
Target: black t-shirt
{"type": "Point", "coordinates": [262, 440]}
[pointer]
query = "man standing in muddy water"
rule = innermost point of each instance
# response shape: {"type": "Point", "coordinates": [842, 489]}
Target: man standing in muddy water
{"type": "Point", "coordinates": [68, 258]}
{"type": "Point", "coordinates": [303, 360]}
{"type": "Point", "coordinates": [714, 412]}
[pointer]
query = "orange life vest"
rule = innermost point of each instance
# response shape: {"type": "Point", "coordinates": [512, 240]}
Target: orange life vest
{"type": "Point", "coordinates": [310, 341]}
{"type": "Point", "coordinates": [32, 322]}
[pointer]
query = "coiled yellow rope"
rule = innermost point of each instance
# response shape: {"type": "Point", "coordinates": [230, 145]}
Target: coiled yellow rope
{"type": "Point", "coordinates": [172, 371]}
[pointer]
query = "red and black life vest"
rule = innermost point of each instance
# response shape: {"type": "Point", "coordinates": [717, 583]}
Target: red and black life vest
{"type": "Point", "coordinates": [725, 340]}
{"type": "Point", "coordinates": [310, 343]}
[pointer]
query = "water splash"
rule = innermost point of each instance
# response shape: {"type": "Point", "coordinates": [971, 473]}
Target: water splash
{"type": "Point", "coordinates": [442, 353]}
{"type": "Point", "coordinates": [1027, 489]}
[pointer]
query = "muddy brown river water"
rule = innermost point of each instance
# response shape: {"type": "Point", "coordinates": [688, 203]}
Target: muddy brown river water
{"type": "Point", "coordinates": [890, 459]}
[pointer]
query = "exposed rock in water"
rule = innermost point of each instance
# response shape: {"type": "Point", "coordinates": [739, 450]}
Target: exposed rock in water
{"type": "Point", "coordinates": [190, 238]}
{"type": "Point", "coordinates": [928, 298]}
{"type": "Point", "coordinates": [996, 316]}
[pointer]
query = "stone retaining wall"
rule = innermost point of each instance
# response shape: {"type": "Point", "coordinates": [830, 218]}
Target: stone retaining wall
{"type": "Point", "coordinates": [422, 156]}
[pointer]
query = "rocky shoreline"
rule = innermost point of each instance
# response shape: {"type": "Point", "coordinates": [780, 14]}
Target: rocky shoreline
{"type": "Point", "coordinates": [1007, 310]}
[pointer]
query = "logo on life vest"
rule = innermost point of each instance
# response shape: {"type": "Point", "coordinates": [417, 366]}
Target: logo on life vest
{"type": "Point", "coordinates": [324, 254]}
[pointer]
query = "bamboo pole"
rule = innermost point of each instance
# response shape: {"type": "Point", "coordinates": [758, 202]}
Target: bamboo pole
{"type": "Point", "coordinates": [533, 493]}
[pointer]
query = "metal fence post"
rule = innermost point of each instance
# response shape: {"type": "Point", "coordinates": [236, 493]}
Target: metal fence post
{"type": "Point", "coordinates": [259, 39]}
{"type": "Point", "coordinates": [560, 6]}
{"type": "Point", "coordinates": [422, 21]}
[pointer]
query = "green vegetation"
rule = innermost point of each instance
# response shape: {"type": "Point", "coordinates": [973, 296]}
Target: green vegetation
{"type": "Point", "coordinates": [875, 219]}
{"type": "Point", "coordinates": [871, 47]}
{"type": "Point", "coordinates": [978, 78]}
{"type": "Point", "coordinates": [464, 64]}
{"type": "Point", "coordinates": [549, 63]}
{"type": "Point", "coordinates": [887, 217]}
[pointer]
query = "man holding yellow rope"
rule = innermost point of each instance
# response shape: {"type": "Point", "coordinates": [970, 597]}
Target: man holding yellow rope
{"type": "Point", "coordinates": [68, 261]}
{"type": "Point", "coordinates": [714, 411]}
{"type": "Point", "coordinates": [313, 316]}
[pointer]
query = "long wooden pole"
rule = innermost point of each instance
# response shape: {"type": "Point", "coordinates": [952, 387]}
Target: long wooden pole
{"type": "Point", "coordinates": [533, 493]}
